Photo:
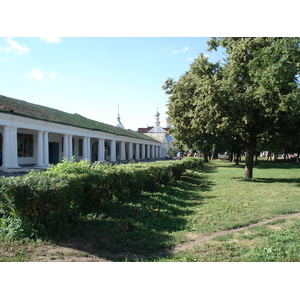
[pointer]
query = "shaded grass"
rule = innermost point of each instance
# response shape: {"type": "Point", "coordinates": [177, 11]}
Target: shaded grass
{"type": "Point", "coordinates": [143, 224]}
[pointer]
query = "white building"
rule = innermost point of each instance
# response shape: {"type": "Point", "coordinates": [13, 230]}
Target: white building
{"type": "Point", "coordinates": [160, 134]}
{"type": "Point", "coordinates": [34, 136]}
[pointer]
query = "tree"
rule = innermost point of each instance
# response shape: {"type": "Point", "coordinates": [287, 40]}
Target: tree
{"type": "Point", "coordinates": [240, 108]}
{"type": "Point", "coordinates": [255, 93]}
{"type": "Point", "coordinates": [190, 105]}
{"type": "Point", "coordinates": [260, 81]}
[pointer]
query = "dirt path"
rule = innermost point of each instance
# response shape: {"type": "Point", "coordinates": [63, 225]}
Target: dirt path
{"type": "Point", "coordinates": [204, 238]}
{"type": "Point", "coordinates": [192, 243]}
{"type": "Point", "coordinates": [72, 253]}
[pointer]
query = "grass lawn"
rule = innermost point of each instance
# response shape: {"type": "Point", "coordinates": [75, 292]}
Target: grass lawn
{"type": "Point", "coordinates": [231, 202]}
{"type": "Point", "coordinates": [212, 199]}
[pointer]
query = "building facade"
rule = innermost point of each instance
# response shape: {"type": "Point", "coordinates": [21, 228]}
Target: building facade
{"type": "Point", "coordinates": [159, 133]}
{"type": "Point", "coordinates": [34, 136]}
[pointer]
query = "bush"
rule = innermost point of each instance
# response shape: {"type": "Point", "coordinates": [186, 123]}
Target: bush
{"type": "Point", "coordinates": [50, 203]}
{"type": "Point", "coordinates": [70, 167]}
{"type": "Point", "coordinates": [45, 203]}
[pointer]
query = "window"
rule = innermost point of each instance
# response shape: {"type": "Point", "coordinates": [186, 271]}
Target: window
{"type": "Point", "coordinates": [25, 145]}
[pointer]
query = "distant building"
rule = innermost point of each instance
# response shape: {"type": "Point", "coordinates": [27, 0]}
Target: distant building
{"type": "Point", "coordinates": [159, 133]}
{"type": "Point", "coordinates": [34, 136]}
{"type": "Point", "coordinates": [119, 124]}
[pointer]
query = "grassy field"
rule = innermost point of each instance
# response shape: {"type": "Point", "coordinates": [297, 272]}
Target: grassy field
{"type": "Point", "coordinates": [213, 199]}
{"type": "Point", "coordinates": [276, 241]}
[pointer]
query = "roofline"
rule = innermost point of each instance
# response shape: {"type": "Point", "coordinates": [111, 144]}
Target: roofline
{"type": "Point", "coordinates": [109, 131]}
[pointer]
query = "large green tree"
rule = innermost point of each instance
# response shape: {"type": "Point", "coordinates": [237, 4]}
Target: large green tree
{"type": "Point", "coordinates": [191, 107]}
{"type": "Point", "coordinates": [253, 94]}
{"type": "Point", "coordinates": [261, 81]}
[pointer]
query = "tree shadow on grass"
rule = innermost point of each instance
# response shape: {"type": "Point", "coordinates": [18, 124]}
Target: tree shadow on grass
{"type": "Point", "coordinates": [277, 165]}
{"type": "Point", "coordinates": [277, 180]}
{"type": "Point", "coordinates": [262, 164]}
{"type": "Point", "coordinates": [139, 227]}
{"type": "Point", "coordinates": [232, 165]}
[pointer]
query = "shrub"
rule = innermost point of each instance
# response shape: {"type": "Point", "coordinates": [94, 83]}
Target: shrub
{"type": "Point", "coordinates": [44, 203]}
{"type": "Point", "coordinates": [50, 202]}
{"type": "Point", "coordinates": [70, 167]}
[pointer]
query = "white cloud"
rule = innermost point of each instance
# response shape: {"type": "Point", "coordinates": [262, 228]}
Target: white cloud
{"type": "Point", "coordinates": [14, 47]}
{"type": "Point", "coordinates": [185, 49]}
{"type": "Point", "coordinates": [171, 50]}
{"type": "Point", "coordinates": [52, 74]}
{"type": "Point", "coordinates": [35, 74]}
{"type": "Point", "coordinates": [53, 40]}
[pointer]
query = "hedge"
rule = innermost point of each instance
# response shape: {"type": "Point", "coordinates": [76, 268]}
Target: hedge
{"type": "Point", "coordinates": [50, 202]}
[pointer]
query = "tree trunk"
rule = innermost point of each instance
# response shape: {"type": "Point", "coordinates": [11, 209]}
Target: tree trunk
{"type": "Point", "coordinates": [237, 159]}
{"type": "Point", "coordinates": [249, 158]}
{"type": "Point", "coordinates": [233, 157]}
{"type": "Point", "coordinates": [205, 154]}
{"type": "Point", "coordinates": [284, 156]}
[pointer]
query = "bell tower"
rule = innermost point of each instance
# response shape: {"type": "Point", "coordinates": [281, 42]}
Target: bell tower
{"type": "Point", "coordinates": [119, 124]}
{"type": "Point", "coordinates": [156, 120]}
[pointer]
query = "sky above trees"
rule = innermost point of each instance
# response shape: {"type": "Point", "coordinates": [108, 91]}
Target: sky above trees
{"type": "Point", "coordinates": [91, 68]}
{"type": "Point", "coordinates": [90, 76]}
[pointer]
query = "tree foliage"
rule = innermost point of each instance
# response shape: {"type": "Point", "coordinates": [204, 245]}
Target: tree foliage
{"type": "Point", "coordinates": [253, 95]}
{"type": "Point", "coordinates": [191, 105]}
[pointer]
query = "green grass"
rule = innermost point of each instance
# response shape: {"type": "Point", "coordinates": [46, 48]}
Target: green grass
{"type": "Point", "coordinates": [232, 202]}
{"type": "Point", "coordinates": [258, 244]}
{"type": "Point", "coordinates": [209, 200]}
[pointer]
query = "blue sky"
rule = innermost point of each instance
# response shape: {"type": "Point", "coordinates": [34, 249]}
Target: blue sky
{"type": "Point", "coordinates": [90, 76]}
{"type": "Point", "coordinates": [119, 51]}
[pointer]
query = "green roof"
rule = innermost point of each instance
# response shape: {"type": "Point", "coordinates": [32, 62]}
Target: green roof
{"type": "Point", "coordinates": [39, 112]}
